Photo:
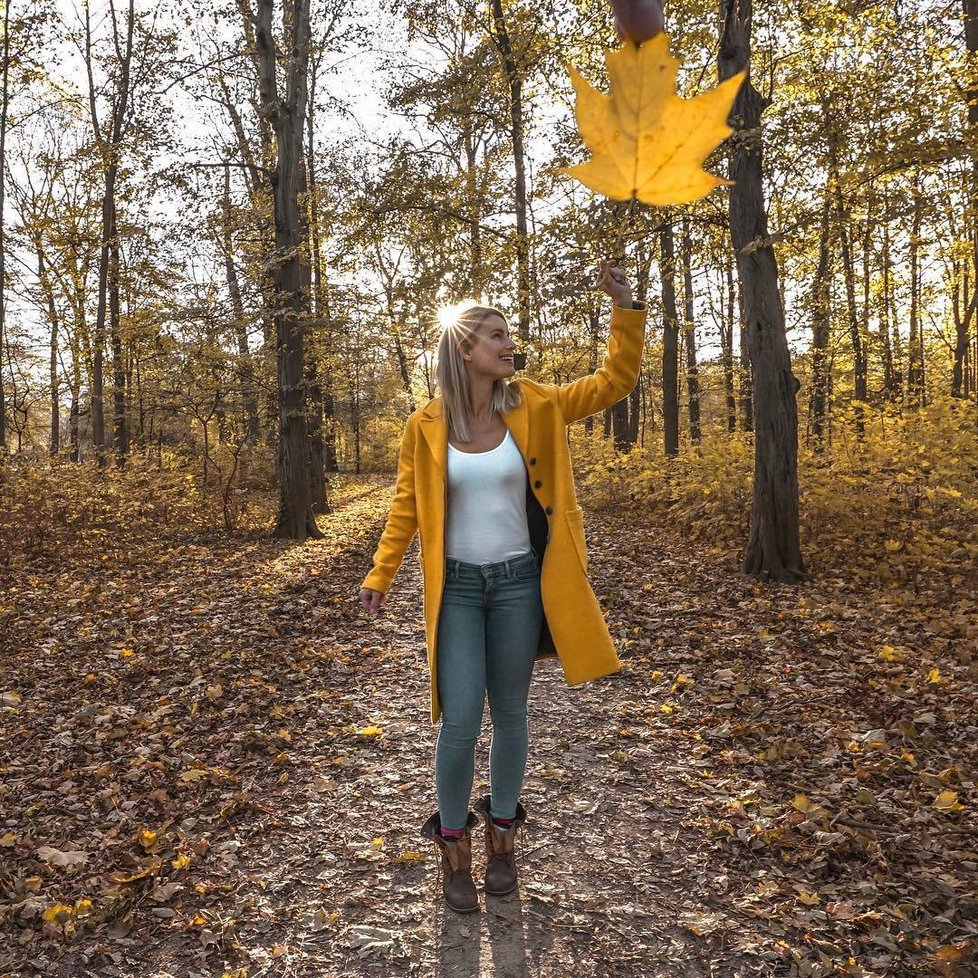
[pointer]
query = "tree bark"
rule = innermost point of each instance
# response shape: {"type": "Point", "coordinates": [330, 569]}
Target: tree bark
{"type": "Point", "coordinates": [821, 328]}
{"type": "Point", "coordinates": [893, 369]}
{"type": "Point", "coordinates": [317, 451]}
{"type": "Point", "coordinates": [4, 106]}
{"type": "Point", "coordinates": [746, 371]}
{"type": "Point", "coordinates": [109, 143]}
{"type": "Point", "coordinates": [773, 549]}
{"type": "Point", "coordinates": [54, 442]}
{"type": "Point", "coordinates": [689, 328]}
{"type": "Point", "coordinates": [726, 343]}
{"type": "Point", "coordinates": [120, 426]}
{"type": "Point", "coordinates": [514, 79]}
{"type": "Point", "coordinates": [960, 382]}
{"type": "Point", "coordinates": [670, 342]}
{"type": "Point", "coordinates": [859, 365]}
{"type": "Point", "coordinates": [915, 342]}
{"type": "Point", "coordinates": [245, 367]}
{"type": "Point", "coordinates": [290, 277]}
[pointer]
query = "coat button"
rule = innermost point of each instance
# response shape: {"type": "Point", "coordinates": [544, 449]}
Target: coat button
{"type": "Point", "coordinates": [549, 510]}
{"type": "Point", "coordinates": [533, 461]}
{"type": "Point", "coordinates": [537, 484]}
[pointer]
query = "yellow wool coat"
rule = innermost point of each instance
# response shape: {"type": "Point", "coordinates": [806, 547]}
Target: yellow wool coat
{"type": "Point", "coordinates": [574, 628]}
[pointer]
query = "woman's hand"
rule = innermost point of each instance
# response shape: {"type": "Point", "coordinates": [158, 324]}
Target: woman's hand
{"type": "Point", "coordinates": [371, 601]}
{"type": "Point", "coordinates": [613, 280]}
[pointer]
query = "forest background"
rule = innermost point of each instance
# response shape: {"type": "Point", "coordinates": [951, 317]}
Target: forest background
{"type": "Point", "coordinates": [138, 317]}
{"type": "Point", "coordinates": [166, 408]}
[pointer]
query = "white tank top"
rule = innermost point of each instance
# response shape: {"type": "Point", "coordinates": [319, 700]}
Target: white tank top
{"type": "Point", "coordinates": [486, 518]}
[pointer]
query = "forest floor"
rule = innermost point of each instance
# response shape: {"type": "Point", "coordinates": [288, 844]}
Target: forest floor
{"type": "Point", "coordinates": [214, 765]}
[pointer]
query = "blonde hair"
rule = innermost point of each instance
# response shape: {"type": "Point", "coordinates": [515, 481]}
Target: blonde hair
{"type": "Point", "coordinates": [453, 379]}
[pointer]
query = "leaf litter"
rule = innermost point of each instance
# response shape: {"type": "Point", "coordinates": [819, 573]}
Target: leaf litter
{"type": "Point", "coordinates": [214, 765]}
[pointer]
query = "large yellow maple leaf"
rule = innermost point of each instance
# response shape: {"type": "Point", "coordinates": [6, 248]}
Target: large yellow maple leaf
{"type": "Point", "coordinates": [645, 140]}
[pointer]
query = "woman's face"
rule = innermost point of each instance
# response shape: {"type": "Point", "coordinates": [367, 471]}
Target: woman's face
{"type": "Point", "coordinates": [492, 353]}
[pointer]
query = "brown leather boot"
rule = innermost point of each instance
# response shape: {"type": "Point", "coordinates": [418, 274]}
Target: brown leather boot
{"type": "Point", "coordinates": [500, 843]}
{"type": "Point", "coordinates": [456, 864]}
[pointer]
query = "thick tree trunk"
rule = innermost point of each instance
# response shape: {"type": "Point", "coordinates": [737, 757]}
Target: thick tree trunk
{"type": "Point", "coordinates": [670, 342]}
{"type": "Point", "coordinates": [689, 330]}
{"type": "Point", "coordinates": [773, 549]}
{"type": "Point", "coordinates": [290, 277]}
{"type": "Point", "coordinates": [317, 448]}
{"type": "Point", "coordinates": [515, 81]}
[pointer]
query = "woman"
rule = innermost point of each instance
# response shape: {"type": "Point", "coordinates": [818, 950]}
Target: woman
{"type": "Point", "coordinates": [484, 475]}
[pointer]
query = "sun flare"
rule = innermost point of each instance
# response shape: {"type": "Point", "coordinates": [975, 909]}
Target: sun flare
{"type": "Point", "coordinates": [448, 313]}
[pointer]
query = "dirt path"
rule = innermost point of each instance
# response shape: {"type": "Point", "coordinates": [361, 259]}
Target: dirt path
{"type": "Point", "coordinates": [665, 834]}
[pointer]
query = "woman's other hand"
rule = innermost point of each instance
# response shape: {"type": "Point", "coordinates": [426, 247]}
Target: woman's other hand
{"type": "Point", "coordinates": [371, 601]}
{"type": "Point", "coordinates": [612, 279]}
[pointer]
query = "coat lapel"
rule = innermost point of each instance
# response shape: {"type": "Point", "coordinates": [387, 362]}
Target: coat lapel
{"type": "Point", "coordinates": [518, 422]}
{"type": "Point", "coordinates": [436, 432]}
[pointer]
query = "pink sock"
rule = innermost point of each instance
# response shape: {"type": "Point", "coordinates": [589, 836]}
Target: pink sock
{"type": "Point", "coordinates": [451, 833]}
{"type": "Point", "coordinates": [504, 823]}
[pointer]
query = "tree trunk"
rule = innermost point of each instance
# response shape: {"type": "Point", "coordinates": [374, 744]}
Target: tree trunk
{"type": "Point", "coordinates": [726, 342]}
{"type": "Point", "coordinates": [245, 368]}
{"type": "Point", "coordinates": [746, 371]}
{"type": "Point", "coordinates": [109, 144]}
{"type": "Point", "coordinates": [290, 278]}
{"type": "Point", "coordinates": [894, 348]}
{"type": "Point", "coordinates": [959, 381]}
{"type": "Point", "coordinates": [915, 343]}
{"type": "Point", "coordinates": [515, 81]}
{"type": "Point", "coordinates": [120, 427]}
{"type": "Point", "coordinates": [4, 106]}
{"type": "Point", "coordinates": [317, 448]}
{"type": "Point", "coordinates": [670, 342]}
{"type": "Point", "coordinates": [476, 282]}
{"type": "Point", "coordinates": [634, 411]}
{"type": "Point", "coordinates": [54, 386]}
{"type": "Point", "coordinates": [689, 327]}
{"type": "Point", "coordinates": [594, 321]}
{"type": "Point", "coordinates": [821, 328]}
{"type": "Point", "coordinates": [773, 549]}
{"type": "Point", "coordinates": [855, 331]}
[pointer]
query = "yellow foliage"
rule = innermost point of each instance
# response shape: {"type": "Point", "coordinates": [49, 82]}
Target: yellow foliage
{"type": "Point", "coordinates": [647, 142]}
{"type": "Point", "coordinates": [865, 507]}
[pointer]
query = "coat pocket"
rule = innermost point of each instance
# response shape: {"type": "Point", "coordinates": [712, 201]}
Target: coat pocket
{"type": "Point", "coordinates": [575, 521]}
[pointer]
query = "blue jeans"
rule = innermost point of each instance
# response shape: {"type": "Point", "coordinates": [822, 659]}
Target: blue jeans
{"type": "Point", "coordinates": [488, 633]}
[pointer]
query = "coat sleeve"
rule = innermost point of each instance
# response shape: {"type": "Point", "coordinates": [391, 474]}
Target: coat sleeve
{"type": "Point", "coordinates": [402, 522]}
{"type": "Point", "coordinates": [618, 373]}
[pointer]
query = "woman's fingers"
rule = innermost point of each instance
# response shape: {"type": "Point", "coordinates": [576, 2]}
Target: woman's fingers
{"type": "Point", "coordinates": [371, 601]}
